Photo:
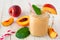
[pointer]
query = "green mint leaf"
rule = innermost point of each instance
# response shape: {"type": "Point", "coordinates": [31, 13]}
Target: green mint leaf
{"type": "Point", "coordinates": [36, 9]}
{"type": "Point", "coordinates": [23, 33]}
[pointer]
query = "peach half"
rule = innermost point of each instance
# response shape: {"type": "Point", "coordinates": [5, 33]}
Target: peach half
{"type": "Point", "coordinates": [49, 8]}
{"type": "Point", "coordinates": [8, 22]}
{"type": "Point", "coordinates": [23, 21]}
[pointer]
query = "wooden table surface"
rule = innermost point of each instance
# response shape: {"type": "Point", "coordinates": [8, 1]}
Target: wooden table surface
{"type": "Point", "coordinates": [4, 6]}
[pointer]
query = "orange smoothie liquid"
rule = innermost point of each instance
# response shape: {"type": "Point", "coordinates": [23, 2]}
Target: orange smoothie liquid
{"type": "Point", "coordinates": [38, 24]}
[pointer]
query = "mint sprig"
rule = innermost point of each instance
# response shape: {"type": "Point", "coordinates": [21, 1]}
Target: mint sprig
{"type": "Point", "coordinates": [23, 33]}
{"type": "Point", "coordinates": [36, 9]}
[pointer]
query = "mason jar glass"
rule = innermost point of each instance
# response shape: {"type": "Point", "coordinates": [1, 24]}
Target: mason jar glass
{"type": "Point", "coordinates": [38, 24]}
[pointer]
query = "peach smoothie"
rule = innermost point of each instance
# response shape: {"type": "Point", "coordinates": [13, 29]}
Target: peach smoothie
{"type": "Point", "coordinates": [39, 24]}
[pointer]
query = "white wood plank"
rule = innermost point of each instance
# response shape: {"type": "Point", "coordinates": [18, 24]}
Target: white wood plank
{"type": "Point", "coordinates": [5, 16]}
{"type": "Point", "coordinates": [1, 10]}
{"type": "Point", "coordinates": [30, 37]}
{"type": "Point", "coordinates": [2, 7]}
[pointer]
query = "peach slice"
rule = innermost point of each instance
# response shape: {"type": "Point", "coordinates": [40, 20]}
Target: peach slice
{"type": "Point", "coordinates": [23, 21]}
{"type": "Point", "coordinates": [8, 22]}
{"type": "Point", "coordinates": [49, 8]}
{"type": "Point", "coordinates": [52, 33]}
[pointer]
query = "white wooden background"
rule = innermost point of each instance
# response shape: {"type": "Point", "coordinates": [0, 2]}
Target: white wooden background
{"type": "Point", "coordinates": [4, 6]}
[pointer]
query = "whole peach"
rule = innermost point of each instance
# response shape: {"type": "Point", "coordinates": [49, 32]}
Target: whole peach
{"type": "Point", "coordinates": [15, 10]}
